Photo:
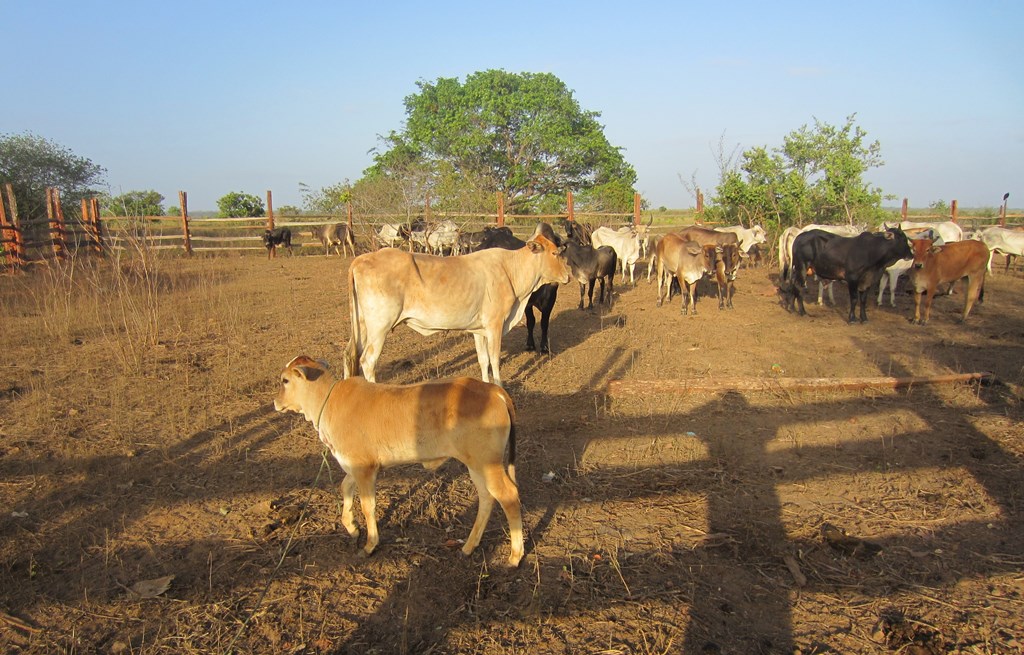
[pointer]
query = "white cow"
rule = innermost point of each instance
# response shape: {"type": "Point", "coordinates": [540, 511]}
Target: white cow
{"type": "Point", "coordinates": [390, 234]}
{"type": "Point", "coordinates": [1004, 240]}
{"type": "Point", "coordinates": [748, 236]}
{"type": "Point", "coordinates": [444, 235]}
{"type": "Point", "coordinates": [625, 242]}
{"type": "Point", "coordinates": [947, 230]}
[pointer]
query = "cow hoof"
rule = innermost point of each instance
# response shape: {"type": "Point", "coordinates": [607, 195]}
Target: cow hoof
{"type": "Point", "coordinates": [531, 348]}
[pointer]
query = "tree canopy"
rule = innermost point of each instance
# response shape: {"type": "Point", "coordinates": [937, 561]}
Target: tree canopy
{"type": "Point", "coordinates": [136, 203]}
{"type": "Point", "coordinates": [523, 135]}
{"type": "Point", "coordinates": [240, 205]}
{"type": "Point", "coordinates": [31, 163]}
{"type": "Point", "coordinates": [816, 176]}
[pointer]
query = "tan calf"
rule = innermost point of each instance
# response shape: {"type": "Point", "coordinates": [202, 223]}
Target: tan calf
{"type": "Point", "coordinates": [935, 265]}
{"type": "Point", "coordinates": [370, 426]}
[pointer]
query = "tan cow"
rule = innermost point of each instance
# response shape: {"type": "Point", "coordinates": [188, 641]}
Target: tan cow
{"type": "Point", "coordinates": [371, 426]}
{"type": "Point", "coordinates": [935, 265]}
{"type": "Point", "coordinates": [484, 293]}
{"type": "Point", "coordinates": [688, 261]}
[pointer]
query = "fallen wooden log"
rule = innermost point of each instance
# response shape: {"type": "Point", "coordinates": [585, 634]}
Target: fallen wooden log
{"type": "Point", "coordinates": [771, 384]}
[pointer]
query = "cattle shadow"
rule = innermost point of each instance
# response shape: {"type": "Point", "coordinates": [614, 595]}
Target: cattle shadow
{"type": "Point", "coordinates": [716, 583]}
{"type": "Point", "coordinates": [744, 573]}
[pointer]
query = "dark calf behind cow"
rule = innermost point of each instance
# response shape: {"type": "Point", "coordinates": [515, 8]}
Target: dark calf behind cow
{"type": "Point", "coordinates": [279, 236]}
{"type": "Point", "coordinates": [589, 265]}
{"type": "Point", "coordinates": [858, 260]}
{"type": "Point", "coordinates": [727, 265]}
{"type": "Point", "coordinates": [543, 298]}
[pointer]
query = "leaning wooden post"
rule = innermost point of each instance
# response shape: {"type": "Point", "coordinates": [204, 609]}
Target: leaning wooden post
{"type": "Point", "coordinates": [94, 205]}
{"type": "Point", "coordinates": [1002, 211]}
{"type": "Point", "coordinates": [700, 207]}
{"type": "Point", "coordinates": [55, 214]}
{"type": "Point", "coordinates": [87, 225]}
{"type": "Point", "coordinates": [903, 211]}
{"type": "Point", "coordinates": [19, 240]}
{"type": "Point", "coordinates": [570, 209]}
{"type": "Point", "coordinates": [501, 209]}
{"type": "Point", "coordinates": [636, 209]}
{"type": "Point", "coordinates": [187, 236]}
{"type": "Point", "coordinates": [7, 234]}
{"type": "Point", "coordinates": [952, 210]}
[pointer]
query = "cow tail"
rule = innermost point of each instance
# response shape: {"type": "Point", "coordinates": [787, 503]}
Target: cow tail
{"type": "Point", "coordinates": [510, 406]}
{"type": "Point", "coordinates": [353, 352]}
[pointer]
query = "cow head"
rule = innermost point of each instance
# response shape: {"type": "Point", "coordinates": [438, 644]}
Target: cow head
{"type": "Point", "coordinates": [554, 267]}
{"type": "Point", "coordinates": [729, 255]}
{"type": "Point", "coordinates": [923, 249]}
{"type": "Point", "coordinates": [901, 243]}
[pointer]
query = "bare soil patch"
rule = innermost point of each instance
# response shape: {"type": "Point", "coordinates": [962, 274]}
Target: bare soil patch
{"type": "Point", "coordinates": [137, 441]}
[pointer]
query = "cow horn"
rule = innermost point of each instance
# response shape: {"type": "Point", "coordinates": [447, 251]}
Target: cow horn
{"type": "Point", "coordinates": [651, 221]}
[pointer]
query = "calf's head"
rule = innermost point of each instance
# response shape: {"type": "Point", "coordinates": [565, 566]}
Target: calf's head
{"type": "Point", "coordinates": [297, 379]}
{"type": "Point", "coordinates": [923, 249]}
{"type": "Point", "coordinates": [553, 267]}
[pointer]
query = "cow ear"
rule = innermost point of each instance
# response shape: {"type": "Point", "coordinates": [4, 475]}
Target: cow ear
{"type": "Point", "coordinates": [935, 249]}
{"type": "Point", "coordinates": [534, 246]}
{"type": "Point", "coordinates": [311, 373]}
{"type": "Point", "coordinates": [889, 235]}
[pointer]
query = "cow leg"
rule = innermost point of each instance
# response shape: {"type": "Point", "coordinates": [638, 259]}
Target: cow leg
{"type": "Point", "coordinates": [974, 286]}
{"type": "Point", "coordinates": [348, 492]}
{"type": "Point", "coordinates": [583, 292]}
{"type": "Point", "coordinates": [493, 484]}
{"type": "Point", "coordinates": [366, 482]}
{"type": "Point", "coordinates": [821, 293]}
{"type": "Point", "coordinates": [854, 298]}
{"type": "Point", "coordinates": [611, 287]}
{"type": "Point", "coordinates": [531, 321]}
{"type": "Point", "coordinates": [881, 287]}
{"type": "Point", "coordinates": [730, 291]}
{"type": "Point", "coordinates": [483, 357]}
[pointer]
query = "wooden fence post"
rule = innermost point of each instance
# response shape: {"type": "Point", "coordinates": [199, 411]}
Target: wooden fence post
{"type": "Point", "coordinates": [501, 209]}
{"type": "Point", "coordinates": [636, 209]}
{"type": "Point", "coordinates": [270, 222]}
{"type": "Point", "coordinates": [700, 207]}
{"type": "Point", "coordinates": [952, 210]}
{"type": "Point", "coordinates": [570, 209]}
{"type": "Point", "coordinates": [55, 214]}
{"type": "Point", "coordinates": [97, 226]}
{"type": "Point", "coordinates": [186, 235]}
{"type": "Point", "coordinates": [7, 234]}
{"type": "Point", "coordinates": [15, 222]}
{"type": "Point", "coordinates": [1002, 211]}
{"type": "Point", "coordinates": [903, 211]}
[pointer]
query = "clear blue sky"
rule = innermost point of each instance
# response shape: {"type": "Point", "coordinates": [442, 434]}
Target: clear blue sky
{"type": "Point", "coordinates": [213, 97]}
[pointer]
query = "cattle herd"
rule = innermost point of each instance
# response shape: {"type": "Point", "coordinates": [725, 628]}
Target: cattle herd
{"type": "Point", "coordinates": [496, 280]}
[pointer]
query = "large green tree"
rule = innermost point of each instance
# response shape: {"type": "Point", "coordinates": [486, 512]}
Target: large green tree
{"type": "Point", "coordinates": [816, 176]}
{"type": "Point", "coordinates": [523, 135]}
{"type": "Point", "coordinates": [31, 163]}
{"type": "Point", "coordinates": [240, 205]}
{"type": "Point", "coordinates": [135, 203]}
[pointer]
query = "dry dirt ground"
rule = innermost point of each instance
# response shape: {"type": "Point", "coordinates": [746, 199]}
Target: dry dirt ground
{"type": "Point", "coordinates": [138, 441]}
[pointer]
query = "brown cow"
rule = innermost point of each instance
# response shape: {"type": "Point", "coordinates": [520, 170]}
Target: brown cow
{"type": "Point", "coordinates": [935, 265]}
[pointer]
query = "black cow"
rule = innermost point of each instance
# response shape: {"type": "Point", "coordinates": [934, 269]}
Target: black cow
{"type": "Point", "coordinates": [590, 264]}
{"type": "Point", "coordinates": [279, 236]}
{"type": "Point", "coordinates": [859, 261]}
{"type": "Point", "coordinates": [473, 241]}
{"type": "Point", "coordinates": [544, 297]}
